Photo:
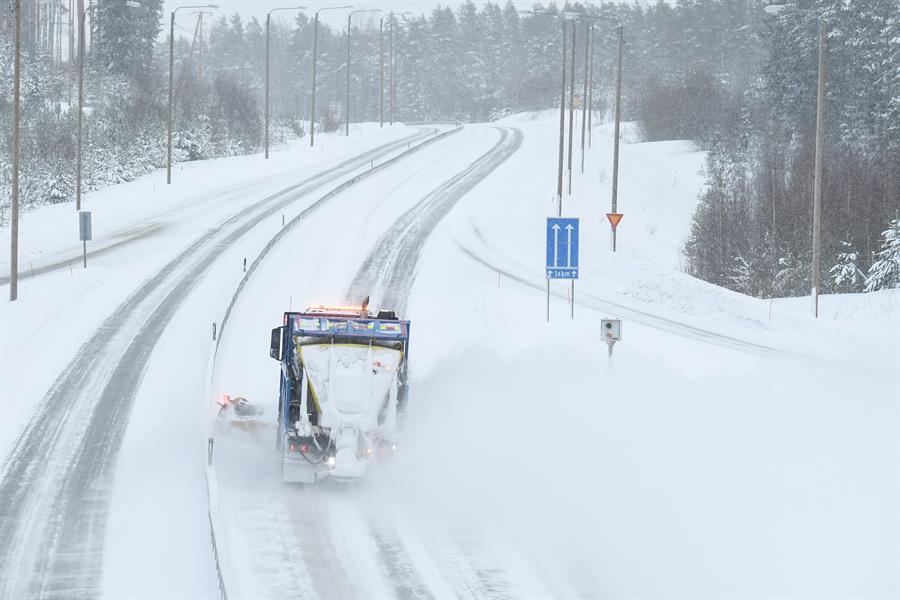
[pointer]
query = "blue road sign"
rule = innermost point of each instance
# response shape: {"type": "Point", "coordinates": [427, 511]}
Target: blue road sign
{"type": "Point", "coordinates": [562, 248]}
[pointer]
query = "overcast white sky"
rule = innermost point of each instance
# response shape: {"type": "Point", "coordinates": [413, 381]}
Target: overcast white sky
{"type": "Point", "coordinates": [336, 18]}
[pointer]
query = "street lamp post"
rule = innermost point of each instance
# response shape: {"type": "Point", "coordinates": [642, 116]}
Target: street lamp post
{"type": "Point", "coordinates": [268, 23]}
{"type": "Point", "coordinates": [381, 71]}
{"type": "Point", "coordinates": [820, 151]}
{"type": "Point", "coordinates": [171, 70]}
{"type": "Point", "coordinates": [14, 202]}
{"type": "Point", "coordinates": [817, 189]}
{"type": "Point", "coordinates": [391, 71]}
{"type": "Point", "coordinates": [571, 106]}
{"type": "Point", "coordinates": [590, 102]}
{"type": "Point", "coordinates": [615, 182]}
{"type": "Point", "coordinates": [588, 42]}
{"type": "Point", "coordinates": [564, 19]}
{"type": "Point", "coordinates": [587, 96]}
{"type": "Point", "coordinates": [82, 12]}
{"type": "Point", "coordinates": [82, 16]}
{"type": "Point", "coordinates": [562, 122]}
{"type": "Point", "coordinates": [312, 109]}
{"type": "Point", "coordinates": [347, 105]}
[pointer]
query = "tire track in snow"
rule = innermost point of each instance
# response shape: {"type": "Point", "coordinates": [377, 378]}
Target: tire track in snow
{"type": "Point", "coordinates": [387, 276]}
{"type": "Point", "coordinates": [391, 266]}
{"type": "Point", "coordinates": [56, 481]}
{"type": "Point", "coordinates": [388, 272]}
{"type": "Point", "coordinates": [396, 566]}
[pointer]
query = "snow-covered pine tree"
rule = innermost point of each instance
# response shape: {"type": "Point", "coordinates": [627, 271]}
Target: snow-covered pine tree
{"type": "Point", "coordinates": [845, 274]}
{"type": "Point", "coordinates": [125, 38]}
{"type": "Point", "coordinates": [885, 271]}
{"type": "Point", "coordinates": [792, 277]}
{"type": "Point", "coordinates": [741, 276]}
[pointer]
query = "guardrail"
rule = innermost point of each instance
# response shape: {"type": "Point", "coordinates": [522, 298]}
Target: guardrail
{"type": "Point", "coordinates": [212, 484]}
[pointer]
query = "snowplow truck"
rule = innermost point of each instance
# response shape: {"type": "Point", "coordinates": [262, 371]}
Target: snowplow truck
{"type": "Point", "coordinates": [343, 384]}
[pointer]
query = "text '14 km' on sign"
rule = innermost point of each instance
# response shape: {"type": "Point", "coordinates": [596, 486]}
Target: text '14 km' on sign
{"type": "Point", "coordinates": [562, 248]}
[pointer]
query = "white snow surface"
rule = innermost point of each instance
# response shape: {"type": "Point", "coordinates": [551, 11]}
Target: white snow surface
{"type": "Point", "coordinates": [729, 447]}
{"type": "Point", "coordinates": [158, 513]}
{"type": "Point", "coordinates": [137, 228]}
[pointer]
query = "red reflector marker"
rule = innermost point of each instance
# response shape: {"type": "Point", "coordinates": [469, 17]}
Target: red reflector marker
{"type": "Point", "coordinates": [293, 447]}
{"type": "Point", "coordinates": [304, 448]}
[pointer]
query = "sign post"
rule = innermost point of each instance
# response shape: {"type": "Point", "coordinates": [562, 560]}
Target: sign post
{"type": "Point", "coordinates": [612, 331]}
{"type": "Point", "coordinates": [84, 231]}
{"type": "Point", "coordinates": [614, 219]}
{"type": "Point", "coordinates": [562, 255]}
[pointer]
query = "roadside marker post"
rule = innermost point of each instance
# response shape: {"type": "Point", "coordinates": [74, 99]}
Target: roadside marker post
{"type": "Point", "coordinates": [562, 256]}
{"type": "Point", "coordinates": [84, 231]}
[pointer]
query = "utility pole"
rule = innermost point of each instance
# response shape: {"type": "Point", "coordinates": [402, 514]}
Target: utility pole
{"type": "Point", "coordinates": [562, 124]}
{"type": "Point", "coordinates": [198, 35]}
{"type": "Point", "coordinates": [571, 107]}
{"type": "Point", "coordinates": [615, 181]}
{"type": "Point", "coordinates": [817, 189]}
{"type": "Point", "coordinates": [186, 73]}
{"type": "Point", "coordinates": [14, 204]}
{"type": "Point", "coordinates": [81, 16]}
{"type": "Point", "coordinates": [584, 97]}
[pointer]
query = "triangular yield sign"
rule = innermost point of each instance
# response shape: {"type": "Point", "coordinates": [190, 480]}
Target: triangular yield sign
{"type": "Point", "coordinates": [614, 219]}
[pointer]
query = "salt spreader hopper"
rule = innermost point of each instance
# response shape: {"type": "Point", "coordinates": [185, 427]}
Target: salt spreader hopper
{"type": "Point", "coordinates": [343, 383]}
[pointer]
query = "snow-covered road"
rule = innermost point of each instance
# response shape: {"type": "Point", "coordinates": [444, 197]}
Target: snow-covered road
{"type": "Point", "coordinates": [535, 467]}
{"type": "Point", "coordinates": [717, 453]}
{"type": "Point", "coordinates": [57, 480]}
{"type": "Point", "coordinates": [303, 549]}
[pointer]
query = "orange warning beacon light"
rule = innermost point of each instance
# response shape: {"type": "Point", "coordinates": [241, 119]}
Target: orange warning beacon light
{"type": "Point", "coordinates": [614, 219]}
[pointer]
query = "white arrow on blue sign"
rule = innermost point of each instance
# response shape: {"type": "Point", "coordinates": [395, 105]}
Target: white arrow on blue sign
{"type": "Point", "coordinates": [562, 248]}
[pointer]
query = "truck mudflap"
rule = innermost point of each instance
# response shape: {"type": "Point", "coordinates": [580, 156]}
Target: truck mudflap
{"type": "Point", "coordinates": [298, 470]}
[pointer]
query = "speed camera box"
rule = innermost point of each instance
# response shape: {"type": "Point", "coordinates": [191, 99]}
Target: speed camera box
{"type": "Point", "coordinates": [612, 329]}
